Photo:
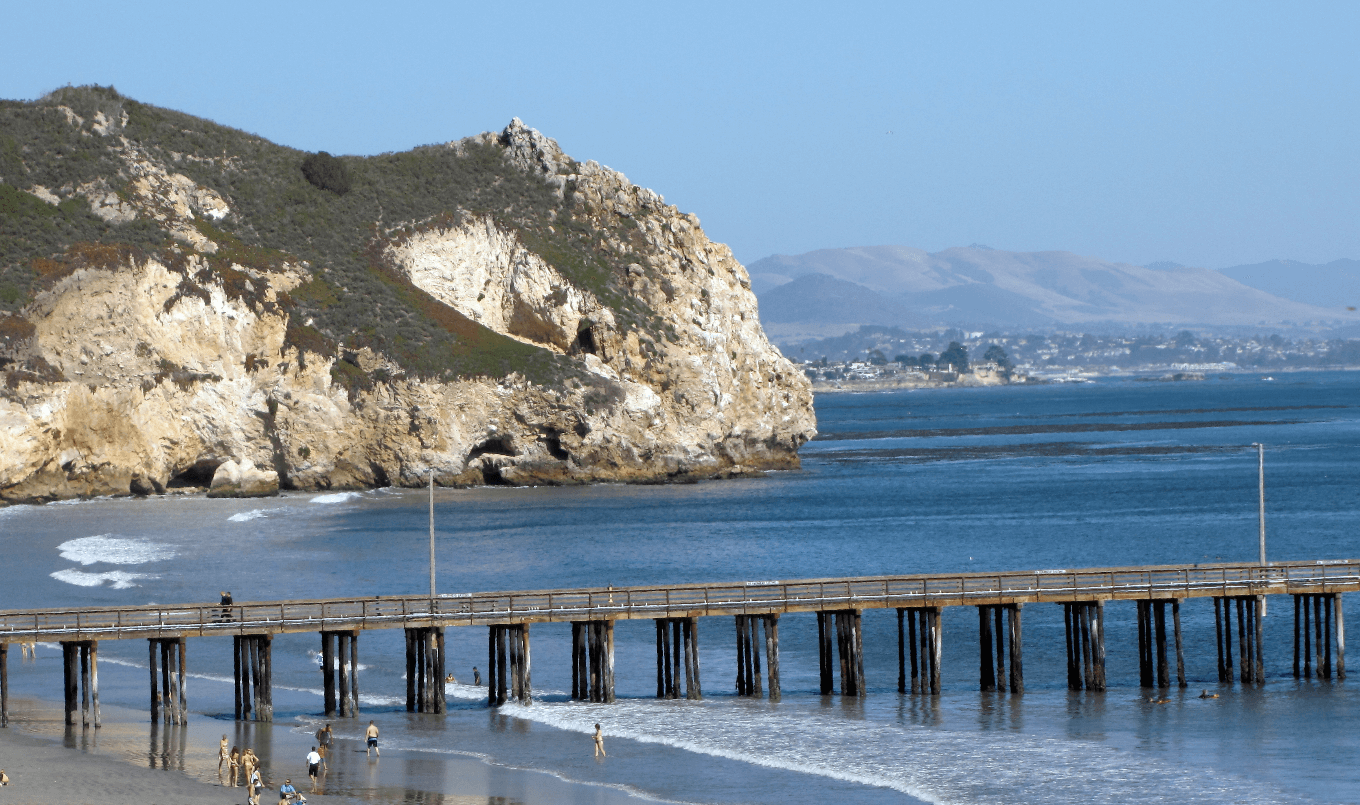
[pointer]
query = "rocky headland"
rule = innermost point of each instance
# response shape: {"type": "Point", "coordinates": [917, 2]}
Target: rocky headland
{"type": "Point", "coordinates": [184, 305]}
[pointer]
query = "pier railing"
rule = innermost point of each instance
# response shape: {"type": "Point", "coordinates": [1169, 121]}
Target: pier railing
{"type": "Point", "coordinates": [685, 600]}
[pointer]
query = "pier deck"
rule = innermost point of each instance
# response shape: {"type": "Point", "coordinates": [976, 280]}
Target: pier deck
{"type": "Point", "coordinates": [685, 600]}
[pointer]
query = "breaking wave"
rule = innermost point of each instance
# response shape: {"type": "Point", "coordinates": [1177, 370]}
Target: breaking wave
{"type": "Point", "coordinates": [114, 550]}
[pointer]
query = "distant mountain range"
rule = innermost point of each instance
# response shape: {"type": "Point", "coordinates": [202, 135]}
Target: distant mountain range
{"type": "Point", "coordinates": [830, 291]}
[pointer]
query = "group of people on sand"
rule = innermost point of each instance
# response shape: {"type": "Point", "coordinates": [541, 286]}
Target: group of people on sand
{"type": "Point", "coordinates": [238, 762]}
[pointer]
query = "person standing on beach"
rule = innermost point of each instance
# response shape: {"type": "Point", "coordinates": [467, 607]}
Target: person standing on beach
{"type": "Point", "coordinates": [372, 735]}
{"type": "Point", "coordinates": [223, 755]}
{"type": "Point", "coordinates": [233, 765]}
{"type": "Point", "coordinates": [4, 778]}
{"type": "Point", "coordinates": [313, 766]}
{"type": "Point", "coordinates": [599, 742]}
{"type": "Point", "coordinates": [323, 744]}
{"type": "Point", "coordinates": [253, 787]}
{"type": "Point", "coordinates": [248, 763]}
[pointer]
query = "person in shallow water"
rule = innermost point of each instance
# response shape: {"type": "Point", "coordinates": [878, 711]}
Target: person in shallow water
{"type": "Point", "coordinates": [323, 744]}
{"type": "Point", "coordinates": [476, 676]}
{"type": "Point", "coordinates": [599, 742]}
{"type": "Point", "coordinates": [372, 735]}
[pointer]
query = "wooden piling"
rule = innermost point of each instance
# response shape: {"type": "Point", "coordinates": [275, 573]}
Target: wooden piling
{"type": "Point", "coordinates": [526, 679]}
{"type": "Point", "coordinates": [741, 684]}
{"type": "Point", "coordinates": [183, 682]}
{"type": "Point", "coordinates": [1317, 634]}
{"type": "Point", "coordinates": [1327, 635]}
{"type": "Point", "coordinates": [1145, 679]}
{"type": "Point", "coordinates": [167, 693]}
{"type": "Point", "coordinates": [1340, 639]}
{"type": "Point", "coordinates": [1017, 665]}
{"type": "Point", "coordinates": [662, 688]}
{"type": "Point", "coordinates": [69, 659]}
{"type": "Point", "coordinates": [84, 650]}
{"type": "Point", "coordinates": [1257, 616]}
{"type": "Point", "coordinates": [1098, 645]}
{"type": "Point", "coordinates": [342, 650]}
{"type": "Point", "coordinates": [1068, 613]}
{"type": "Point", "coordinates": [609, 661]}
{"type": "Point", "coordinates": [843, 653]}
{"type": "Point", "coordinates": [327, 672]}
{"type": "Point", "coordinates": [155, 689]}
{"type": "Point", "coordinates": [986, 671]}
{"type": "Point", "coordinates": [353, 678]}
{"type": "Point", "coordinates": [1088, 668]}
{"type": "Point", "coordinates": [998, 614]}
{"type": "Point", "coordinates": [692, 630]}
{"type": "Point", "coordinates": [4, 684]}
{"type": "Point", "coordinates": [1180, 649]}
{"type": "Point", "coordinates": [857, 619]}
{"type": "Point", "coordinates": [913, 615]}
{"type": "Point", "coordinates": [502, 672]}
{"type": "Point", "coordinates": [901, 651]}
{"type": "Point", "coordinates": [1307, 636]}
{"type": "Point", "coordinates": [772, 655]}
{"type": "Point", "coordinates": [824, 652]}
{"type": "Point", "coordinates": [1296, 635]}
{"type": "Point", "coordinates": [1159, 620]}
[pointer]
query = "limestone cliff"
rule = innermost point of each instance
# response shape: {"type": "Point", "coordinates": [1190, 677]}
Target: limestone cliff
{"type": "Point", "coordinates": [573, 328]}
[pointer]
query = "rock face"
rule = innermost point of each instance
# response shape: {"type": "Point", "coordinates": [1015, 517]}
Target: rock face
{"type": "Point", "coordinates": [123, 377]}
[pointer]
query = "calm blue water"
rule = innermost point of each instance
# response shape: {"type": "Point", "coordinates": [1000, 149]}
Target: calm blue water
{"type": "Point", "coordinates": [1109, 473]}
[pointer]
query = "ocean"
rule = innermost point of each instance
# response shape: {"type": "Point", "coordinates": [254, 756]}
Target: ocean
{"type": "Point", "coordinates": [1108, 473]}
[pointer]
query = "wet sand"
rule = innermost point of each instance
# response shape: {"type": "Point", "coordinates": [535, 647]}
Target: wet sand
{"type": "Point", "coordinates": [129, 761]}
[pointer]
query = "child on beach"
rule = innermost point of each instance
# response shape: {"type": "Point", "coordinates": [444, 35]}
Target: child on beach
{"type": "Point", "coordinates": [599, 742]}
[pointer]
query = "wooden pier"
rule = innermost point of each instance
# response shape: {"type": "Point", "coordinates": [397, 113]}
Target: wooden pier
{"type": "Point", "coordinates": [839, 604]}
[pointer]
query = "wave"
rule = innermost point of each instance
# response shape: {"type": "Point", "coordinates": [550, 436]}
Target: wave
{"type": "Point", "coordinates": [119, 580]}
{"type": "Point", "coordinates": [945, 765]}
{"type": "Point", "coordinates": [336, 497]}
{"type": "Point", "coordinates": [113, 550]}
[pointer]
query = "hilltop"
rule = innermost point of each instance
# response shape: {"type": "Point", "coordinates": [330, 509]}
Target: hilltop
{"type": "Point", "coordinates": [176, 295]}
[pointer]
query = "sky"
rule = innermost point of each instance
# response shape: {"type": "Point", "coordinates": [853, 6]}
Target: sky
{"type": "Point", "coordinates": [1208, 134]}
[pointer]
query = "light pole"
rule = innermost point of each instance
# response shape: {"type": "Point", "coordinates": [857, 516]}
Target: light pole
{"type": "Point", "coordinates": [1261, 490]}
{"type": "Point", "coordinates": [432, 540]}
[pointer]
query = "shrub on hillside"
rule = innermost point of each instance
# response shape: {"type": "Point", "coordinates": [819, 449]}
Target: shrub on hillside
{"type": "Point", "coordinates": [326, 172]}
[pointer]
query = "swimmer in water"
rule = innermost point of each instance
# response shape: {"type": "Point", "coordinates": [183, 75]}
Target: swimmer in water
{"type": "Point", "coordinates": [1207, 695]}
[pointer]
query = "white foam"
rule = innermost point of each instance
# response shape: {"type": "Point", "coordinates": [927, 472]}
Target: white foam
{"type": "Point", "coordinates": [241, 517]}
{"type": "Point", "coordinates": [336, 497]}
{"type": "Point", "coordinates": [118, 579]}
{"type": "Point", "coordinates": [945, 766]}
{"type": "Point", "coordinates": [114, 550]}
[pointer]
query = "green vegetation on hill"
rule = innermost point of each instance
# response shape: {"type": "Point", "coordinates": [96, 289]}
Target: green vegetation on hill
{"type": "Point", "coordinates": [353, 300]}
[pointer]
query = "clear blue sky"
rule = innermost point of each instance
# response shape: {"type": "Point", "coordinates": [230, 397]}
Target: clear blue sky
{"type": "Point", "coordinates": [1210, 134]}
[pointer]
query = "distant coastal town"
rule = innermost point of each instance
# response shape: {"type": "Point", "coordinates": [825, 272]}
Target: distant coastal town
{"type": "Point", "coordinates": [882, 358]}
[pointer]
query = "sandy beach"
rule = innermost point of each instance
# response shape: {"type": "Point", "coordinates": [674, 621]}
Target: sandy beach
{"type": "Point", "coordinates": [43, 772]}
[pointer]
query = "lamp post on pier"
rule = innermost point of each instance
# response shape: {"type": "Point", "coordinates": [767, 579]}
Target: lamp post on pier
{"type": "Point", "coordinates": [1261, 495]}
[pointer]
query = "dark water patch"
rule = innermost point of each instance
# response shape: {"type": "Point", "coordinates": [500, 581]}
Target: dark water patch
{"type": "Point", "coordinates": [1023, 430]}
{"type": "Point", "coordinates": [1181, 411]}
{"type": "Point", "coordinates": [924, 455]}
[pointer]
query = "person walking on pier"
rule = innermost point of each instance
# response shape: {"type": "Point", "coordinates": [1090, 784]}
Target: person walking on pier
{"type": "Point", "coordinates": [599, 742]}
{"type": "Point", "coordinates": [226, 605]}
{"type": "Point", "coordinates": [372, 735]}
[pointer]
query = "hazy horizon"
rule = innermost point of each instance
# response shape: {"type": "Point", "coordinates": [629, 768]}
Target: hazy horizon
{"type": "Point", "coordinates": [1167, 131]}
